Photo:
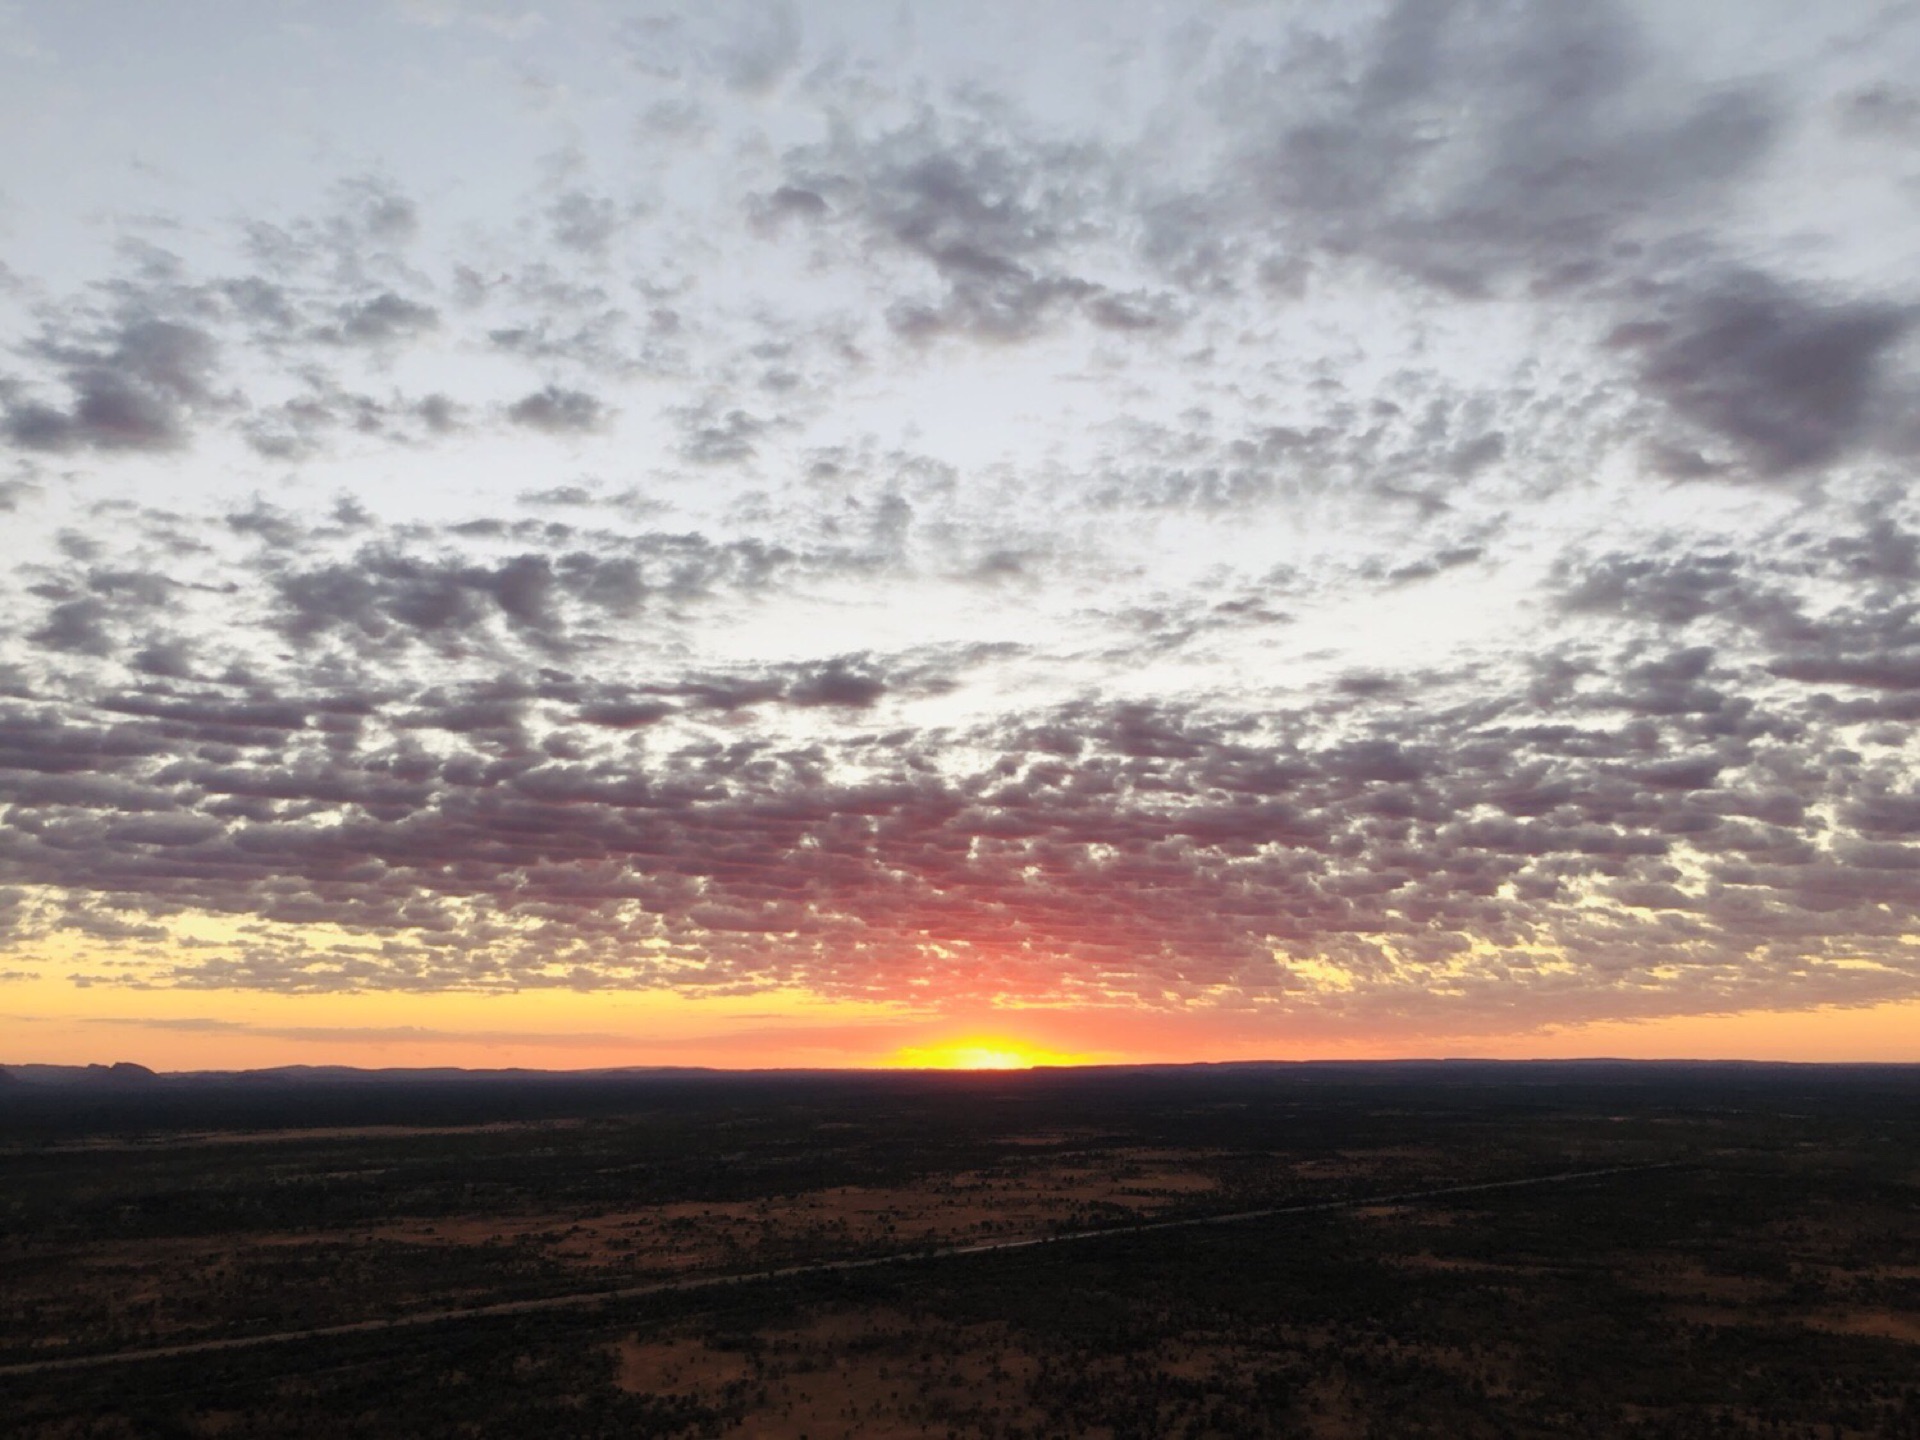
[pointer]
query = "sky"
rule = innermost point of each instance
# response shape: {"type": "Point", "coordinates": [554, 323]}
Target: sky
{"type": "Point", "coordinates": [565, 533]}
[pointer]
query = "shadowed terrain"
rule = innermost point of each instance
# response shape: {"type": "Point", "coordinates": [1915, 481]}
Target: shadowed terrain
{"type": "Point", "coordinates": [1765, 1281]}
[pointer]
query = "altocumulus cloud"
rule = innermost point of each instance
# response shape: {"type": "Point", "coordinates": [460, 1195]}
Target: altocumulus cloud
{"type": "Point", "coordinates": [1391, 514]}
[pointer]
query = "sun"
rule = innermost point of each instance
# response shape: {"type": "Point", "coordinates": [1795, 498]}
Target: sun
{"type": "Point", "coordinates": [979, 1053]}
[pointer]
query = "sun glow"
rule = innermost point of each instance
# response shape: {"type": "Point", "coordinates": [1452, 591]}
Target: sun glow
{"type": "Point", "coordinates": [982, 1053]}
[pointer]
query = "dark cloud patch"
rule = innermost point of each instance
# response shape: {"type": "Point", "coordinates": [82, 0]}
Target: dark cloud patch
{"type": "Point", "coordinates": [1133, 312]}
{"type": "Point", "coordinates": [564, 495]}
{"type": "Point", "coordinates": [89, 609]}
{"type": "Point", "coordinates": [75, 627]}
{"type": "Point", "coordinates": [491, 714]}
{"type": "Point", "coordinates": [1884, 552]}
{"type": "Point", "coordinates": [726, 693]}
{"type": "Point", "coordinates": [168, 357]}
{"type": "Point", "coordinates": [1895, 671]}
{"type": "Point", "coordinates": [1473, 144]}
{"type": "Point", "coordinates": [838, 686]}
{"type": "Point", "coordinates": [107, 414]}
{"type": "Point", "coordinates": [558, 411]}
{"type": "Point", "coordinates": [386, 319]}
{"type": "Point", "coordinates": [133, 389]}
{"type": "Point", "coordinates": [993, 215]}
{"type": "Point", "coordinates": [439, 413]}
{"type": "Point", "coordinates": [269, 308]}
{"type": "Point", "coordinates": [269, 524]}
{"type": "Point", "coordinates": [208, 711]}
{"type": "Point", "coordinates": [788, 202]}
{"type": "Point", "coordinates": [1789, 382]}
{"type": "Point", "coordinates": [584, 223]}
{"type": "Point", "coordinates": [713, 435]}
{"type": "Point", "coordinates": [1838, 616]}
{"type": "Point", "coordinates": [1669, 591]}
{"type": "Point", "coordinates": [626, 714]}
{"type": "Point", "coordinates": [1453, 557]}
{"type": "Point", "coordinates": [1487, 149]}
{"type": "Point", "coordinates": [380, 212]}
{"type": "Point", "coordinates": [1682, 774]}
{"type": "Point", "coordinates": [131, 589]}
{"type": "Point", "coordinates": [385, 596]}
{"type": "Point", "coordinates": [164, 657]}
{"type": "Point", "coordinates": [466, 588]}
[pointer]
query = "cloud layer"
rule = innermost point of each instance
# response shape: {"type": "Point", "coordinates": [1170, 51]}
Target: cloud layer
{"type": "Point", "coordinates": [1388, 516]}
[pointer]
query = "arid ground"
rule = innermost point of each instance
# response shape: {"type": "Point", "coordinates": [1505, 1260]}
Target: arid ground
{"type": "Point", "coordinates": [1747, 1261]}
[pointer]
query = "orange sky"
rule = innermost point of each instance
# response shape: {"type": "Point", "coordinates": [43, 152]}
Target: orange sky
{"type": "Point", "coordinates": [50, 1020]}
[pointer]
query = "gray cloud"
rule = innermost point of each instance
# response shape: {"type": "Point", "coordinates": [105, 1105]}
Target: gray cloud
{"type": "Point", "coordinates": [583, 222]}
{"type": "Point", "coordinates": [384, 319]}
{"type": "Point", "coordinates": [993, 214]}
{"type": "Point", "coordinates": [1634, 811]}
{"type": "Point", "coordinates": [131, 389]}
{"type": "Point", "coordinates": [1790, 383]}
{"type": "Point", "coordinates": [716, 436]}
{"type": "Point", "coordinates": [558, 411]}
{"type": "Point", "coordinates": [763, 45]}
{"type": "Point", "coordinates": [1474, 143]}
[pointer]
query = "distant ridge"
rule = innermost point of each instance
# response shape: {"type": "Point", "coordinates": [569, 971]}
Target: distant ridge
{"type": "Point", "coordinates": [119, 1074]}
{"type": "Point", "coordinates": [124, 1075]}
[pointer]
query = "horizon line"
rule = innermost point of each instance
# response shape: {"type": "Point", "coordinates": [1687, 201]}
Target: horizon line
{"type": "Point", "coordinates": [130, 1069]}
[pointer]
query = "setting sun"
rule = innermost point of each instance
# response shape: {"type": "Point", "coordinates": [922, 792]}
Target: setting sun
{"type": "Point", "coordinates": [980, 1054]}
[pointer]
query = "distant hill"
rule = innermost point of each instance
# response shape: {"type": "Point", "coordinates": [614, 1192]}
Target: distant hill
{"type": "Point", "coordinates": [120, 1073]}
{"type": "Point", "coordinates": [125, 1076]}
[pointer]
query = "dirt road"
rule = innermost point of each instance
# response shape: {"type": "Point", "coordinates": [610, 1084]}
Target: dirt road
{"type": "Point", "coordinates": [583, 1299]}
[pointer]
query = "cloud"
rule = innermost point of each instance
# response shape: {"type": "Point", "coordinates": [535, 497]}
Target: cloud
{"type": "Point", "coordinates": [75, 626]}
{"type": "Point", "coordinates": [131, 389]}
{"type": "Point", "coordinates": [387, 596]}
{"type": "Point", "coordinates": [1203, 541]}
{"type": "Point", "coordinates": [152, 355]}
{"type": "Point", "coordinates": [788, 202]}
{"type": "Point", "coordinates": [991, 212]}
{"type": "Point", "coordinates": [1789, 382]}
{"type": "Point", "coordinates": [838, 686]}
{"type": "Point", "coordinates": [763, 46]}
{"type": "Point", "coordinates": [1475, 144]}
{"type": "Point", "coordinates": [384, 319]}
{"type": "Point", "coordinates": [749, 46]}
{"type": "Point", "coordinates": [1099, 849]}
{"type": "Point", "coordinates": [715, 436]}
{"type": "Point", "coordinates": [583, 222]}
{"type": "Point", "coordinates": [1670, 591]}
{"type": "Point", "coordinates": [558, 411]}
